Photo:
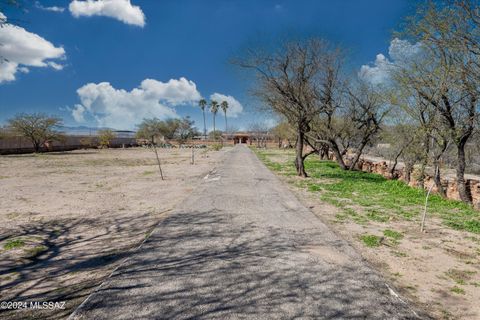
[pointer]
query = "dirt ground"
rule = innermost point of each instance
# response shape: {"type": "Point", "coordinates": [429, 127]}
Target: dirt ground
{"type": "Point", "coordinates": [68, 219]}
{"type": "Point", "coordinates": [438, 269]}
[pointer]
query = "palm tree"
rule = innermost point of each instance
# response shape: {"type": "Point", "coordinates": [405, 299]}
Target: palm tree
{"type": "Point", "coordinates": [203, 103]}
{"type": "Point", "coordinates": [224, 106]}
{"type": "Point", "coordinates": [214, 110]}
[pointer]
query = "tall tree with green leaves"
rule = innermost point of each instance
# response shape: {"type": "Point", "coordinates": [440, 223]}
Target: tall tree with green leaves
{"type": "Point", "coordinates": [202, 104]}
{"type": "Point", "coordinates": [214, 110]}
{"type": "Point", "coordinates": [224, 106]}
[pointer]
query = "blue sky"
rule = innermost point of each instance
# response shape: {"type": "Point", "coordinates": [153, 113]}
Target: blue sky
{"type": "Point", "coordinates": [190, 39]}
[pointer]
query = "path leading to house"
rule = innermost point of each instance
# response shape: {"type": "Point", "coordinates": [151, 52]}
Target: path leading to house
{"type": "Point", "coordinates": [243, 247]}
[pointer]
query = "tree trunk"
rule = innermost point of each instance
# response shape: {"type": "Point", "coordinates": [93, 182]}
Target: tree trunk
{"type": "Point", "coordinates": [204, 126]}
{"type": "Point", "coordinates": [437, 179]}
{"type": "Point", "coordinates": [338, 155]}
{"type": "Point", "coordinates": [461, 183]}
{"type": "Point", "coordinates": [299, 165]}
{"type": "Point", "coordinates": [423, 166]}
{"type": "Point", "coordinates": [214, 133]}
{"type": "Point", "coordinates": [436, 166]}
{"type": "Point", "coordinates": [357, 156]}
{"type": "Point", "coordinates": [408, 172]}
{"type": "Point", "coordinates": [323, 152]}
{"type": "Point", "coordinates": [392, 169]}
{"type": "Point", "coordinates": [225, 121]}
{"type": "Point", "coordinates": [36, 146]}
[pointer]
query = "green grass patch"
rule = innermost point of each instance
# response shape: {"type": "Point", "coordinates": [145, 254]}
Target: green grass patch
{"type": "Point", "coordinates": [370, 240]}
{"type": "Point", "coordinates": [13, 244]}
{"type": "Point", "coordinates": [380, 198]}
{"type": "Point", "coordinates": [457, 290]}
{"type": "Point", "coordinates": [376, 215]}
{"type": "Point", "coordinates": [392, 234]}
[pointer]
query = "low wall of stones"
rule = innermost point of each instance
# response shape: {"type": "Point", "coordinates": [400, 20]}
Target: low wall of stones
{"type": "Point", "coordinates": [450, 185]}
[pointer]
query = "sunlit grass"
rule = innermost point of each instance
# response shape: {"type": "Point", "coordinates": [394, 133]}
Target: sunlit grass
{"type": "Point", "coordinates": [381, 199]}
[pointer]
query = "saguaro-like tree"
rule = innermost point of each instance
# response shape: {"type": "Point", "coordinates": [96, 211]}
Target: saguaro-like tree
{"type": "Point", "coordinates": [214, 110]}
{"type": "Point", "coordinates": [224, 106]}
{"type": "Point", "coordinates": [202, 104]}
{"type": "Point", "coordinates": [37, 127]}
{"type": "Point", "coordinates": [288, 83]}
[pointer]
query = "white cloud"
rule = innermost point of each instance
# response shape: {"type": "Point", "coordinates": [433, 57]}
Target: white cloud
{"type": "Point", "coordinates": [399, 52]}
{"type": "Point", "coordinates": [379, 72]}
{"type": "Point", "coordinates": [3, 18]}
{"type": "Point", "coordinates": [78, 113]}
{"type": "Point", "coordinates": [174, 91]}
{"type": "Point", "coordinates": [234, 107]}
{"type": "Point", "coordinates": [7, 71]}
{"type": "Point", "coordinates": [121, 10]}
{"type": "Point", "coordinates": [121, 109]}
{"type": "Point", "coordinates": [20, 49]}
{"type": "Point", "coordinates": [52, 8]}
{"type": "Point", "coordinates": [23, 69]}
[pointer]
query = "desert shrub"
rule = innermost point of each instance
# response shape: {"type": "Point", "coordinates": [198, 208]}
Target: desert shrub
{"type": "Point", "coordinates": [105, 137]}
{"type": "Point", "coordinates": [216, 146]}
{"type": "Point", "coordinates": [87, 142]}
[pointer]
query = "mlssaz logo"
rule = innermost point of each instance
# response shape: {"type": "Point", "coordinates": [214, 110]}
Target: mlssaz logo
{"type": "Point", "coordinates": [47, 305]}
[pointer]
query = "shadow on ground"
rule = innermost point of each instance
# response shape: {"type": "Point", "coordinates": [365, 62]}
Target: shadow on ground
{"type": "Point", "coordinates": [200, 265]}
{"type": "Point", "coordinates": [72, 258]}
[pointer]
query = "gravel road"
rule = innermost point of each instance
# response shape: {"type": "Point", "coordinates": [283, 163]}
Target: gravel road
{"type": "Point", "coordinates": [243, 247]}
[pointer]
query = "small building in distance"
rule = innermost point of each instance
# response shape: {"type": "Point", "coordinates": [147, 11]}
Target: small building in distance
{"type": "Point", "coordinates": [238, 137]}
{"type": "Point", "coordinates": [249, 137]}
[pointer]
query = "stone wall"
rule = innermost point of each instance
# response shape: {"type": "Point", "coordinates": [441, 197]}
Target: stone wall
{"type": "Point", "coordinates": [450, 185]}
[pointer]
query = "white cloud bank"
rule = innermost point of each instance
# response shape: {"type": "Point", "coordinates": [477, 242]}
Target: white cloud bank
{"type": "Point", "coordinates": [121, 10]}
{"type": "Point", "coordinates": [121, 109]}
{"type": "Point", "coordinates": [52, 8]}
{"type": "Point", "coordinates": [399, 52]}
{"type": "Point", "coordinates": [20, 49]}
{"type": "Point", "coordinates": [234, 107]}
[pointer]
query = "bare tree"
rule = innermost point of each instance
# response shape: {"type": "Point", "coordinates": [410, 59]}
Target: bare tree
{"type": "Point", "coordinates": [283, 132]}
{"type": "Point", "coordinates": [444, 75]}
{"type": "Point", "coordinates": [39, 128]}
{"type": "Point", "coordinates": [288, 82]}
{"type": "Point", "coordinates": [351, 117]}
{"type": "Point", "coordinates": [367, 110]}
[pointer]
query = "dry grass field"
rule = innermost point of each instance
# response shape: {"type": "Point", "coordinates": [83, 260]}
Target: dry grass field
{"type": "Point", "coordinates": [68, 219]}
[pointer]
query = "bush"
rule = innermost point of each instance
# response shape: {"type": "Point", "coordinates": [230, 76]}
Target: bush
{"type": "Point", "coordinates": [87, 142]}
{"type": "Point", "coordinates": [105, 137]}
{"type": "Point", "coordinates": [217, 147]}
